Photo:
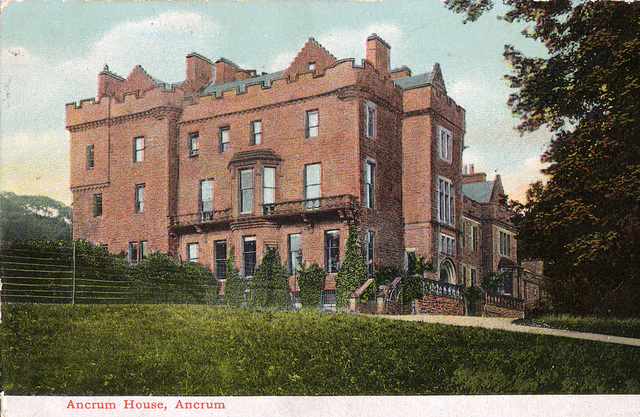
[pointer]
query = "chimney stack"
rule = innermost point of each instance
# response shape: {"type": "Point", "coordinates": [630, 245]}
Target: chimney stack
{"type": "Point", "coordinates": [378, 54]}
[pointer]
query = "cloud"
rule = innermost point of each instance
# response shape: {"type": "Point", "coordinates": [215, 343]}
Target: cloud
{"type": "Point", "coordinates": [344, 43]}
{"type": "Point", "coordinates": [36, 88]}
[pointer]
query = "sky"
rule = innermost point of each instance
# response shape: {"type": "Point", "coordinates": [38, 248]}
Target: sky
{"type": "Point", "coordinates": [51, 53]}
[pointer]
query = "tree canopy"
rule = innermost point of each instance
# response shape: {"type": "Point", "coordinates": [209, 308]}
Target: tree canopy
{"type": "Point", "coordinates": [585, 221]}
{"type": "Point", "coordinates": [33, 217]}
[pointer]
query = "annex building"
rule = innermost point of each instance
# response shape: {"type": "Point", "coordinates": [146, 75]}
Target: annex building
{"type": "Point", "coordinates": [286, 161]}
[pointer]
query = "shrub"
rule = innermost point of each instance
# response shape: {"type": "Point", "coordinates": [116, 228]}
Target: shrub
{"type": "Point", "coordinates": [384, 274]}
{"type": "Point", "coordinates": [234, 286]}
{"type": "Point", "coordinates": [310, 281]}
{"type": "Point", "coordinates": [269, 288]}
{"type": "Point", "coordinates": [161, 279]}
{"type": "Point", "coordinates": [352, 272]}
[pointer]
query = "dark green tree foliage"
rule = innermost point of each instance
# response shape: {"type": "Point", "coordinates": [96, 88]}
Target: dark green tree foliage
{"type": "Point", "coordinates": [585, 222]}
{"type": "Point", "coordinates": [384, 274]}
{"type": "Point", "coordinates": [234, 286]}
{"type": "Point", "coordinates": [269, 287]}
{"type": "Point", "coordinates": [162, 279]}
{"type": "Point", "coordinates": [310, 282]}
{"type": "Point", "coordinates": [412, 281]}
{"type": "Point", "coordinates": [352, 272]}
{"type": "Point", "coordinates": [33, 217]}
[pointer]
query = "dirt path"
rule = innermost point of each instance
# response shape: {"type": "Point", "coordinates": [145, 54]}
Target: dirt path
{"type": "Point", "coordinates": [506, 324]}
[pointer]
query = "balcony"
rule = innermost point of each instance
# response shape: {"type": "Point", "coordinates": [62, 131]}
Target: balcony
{"type": "Point", "coordinates": [344, 205]}
{"type": "Point", "coordinates": [205, 217]}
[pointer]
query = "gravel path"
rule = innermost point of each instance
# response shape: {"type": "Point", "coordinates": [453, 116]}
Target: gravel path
{"type": "Point", "coordinates": [507, 324]}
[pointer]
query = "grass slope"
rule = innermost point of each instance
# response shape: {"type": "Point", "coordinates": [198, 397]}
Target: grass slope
{"type": "Point", "coordinates": [611, 327]}
{"type": "Point", "coordinates": [200, 350]}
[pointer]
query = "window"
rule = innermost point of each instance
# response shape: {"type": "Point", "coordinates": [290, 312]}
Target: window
{"type": "Point", "coordinates": [445, 202]}
{"type": "Point", "coordinates": [205, 203]}
{"type": "Point", "coordinates": [138, 149]}
{"type": "Point", "coordinates": [311, 123]}
{"type": "Point", "coordinates": [368, 249]}
{"type": "Point", "coordinates": [331, 251]}
{"type": "Point", "coordinates": [504, 243]}
{"type": "Point", "coordinates": [311, 66]}
{"type": "Point", "coordinates": [220, 249]}
{"type": "Point", "coordinates": [248, 255]}
{"type": "Point", "coordinates": [139, 198]}
{"type": "Point", "coordinates": [268, 189]}
{"type": "Point", "coordinates": [447, 245]}
{"type": "Point", "coordinates": [472, 275]}
{"type": "Point", "coordinates": [192, 252]}
{"type": "Point", "coordinates": [193, 144]}
{"type": "Point", "coordinates": [245, 191]}
{"type": "Point", "coordinates": [295, 253]}
{"type": "Point", "coordinates": [255, 136]}
{"type": "Point", "coordinates": [223, 135]}
{"type": "Point", "coordinates": [90, 160]}
{"type": "Point", "coordinates": [312, 185]}
{"type": "Point", "coordinates": [474, 237]}
{"type": "Point", "coordinates": [137, 251]}
{"type": "Point", "coordinates": [369, 120]}
{"type": "Point", "coordinates": [369, 184]}
{"type": "Point", "coordinates": [329, 300]}
{"type": "Point", "coordinates": [444, 144]}
{"type": "Point", "coordinates": [97, 205]}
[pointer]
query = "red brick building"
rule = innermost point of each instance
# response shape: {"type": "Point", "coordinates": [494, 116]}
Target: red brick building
{"type": "Point", "coordinates": [286, 160]}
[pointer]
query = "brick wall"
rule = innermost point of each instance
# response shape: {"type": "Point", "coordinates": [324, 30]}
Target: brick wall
{"type": "Point", "coordinates": [439, 305]}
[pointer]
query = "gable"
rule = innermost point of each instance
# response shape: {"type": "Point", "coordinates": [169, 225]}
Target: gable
{"type": "Point", "coordinates": [138, 80]}
{"type": "Point", "coordinates": [311, 52]}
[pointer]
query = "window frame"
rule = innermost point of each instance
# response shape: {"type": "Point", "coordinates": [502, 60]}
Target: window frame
{"type": "Point", "coordinates": [138, 198]}
{"type": "Point", "coordinates": [220, 263]}
{"type": "Point", "coordinates": [445, 144]}
{"type": "Point", "coordinates": [137, 251]}
{"type": "Point", "coordinates": [504, 243]}
{"type": "Point", "coordinates": [292, 254]}
{"type": "Point", "coordinates": [250, 263]}
{"type": "Point", "coordinates": [369, 251]}
{"type": "Point", "coordinates": [312, 201]}
{"type": "Point", "coordinates": [370, 184]}
{"type": "Point", "coordinates": [255, 137]}
{"type": "Point", "coordinates": [311, 131]}
{"type": "Point", "coordinates": [241, 192]}
{"type": "Point", "coordinates": [138, 151]}
{"type": "Point", "coordinates": [188, 248]}
{"type": "Point", "coordinates": [223, 138]}
{"type": "Point", "coordinates": [193, 144]}
{"type": "Point", "coordinates": [97, 205]}
{"type": "Point", "coordinates": [445, 201]}
{"type": "Point", "coordinates": [90, 157]}
{"type": "Point", "coordinates": [202, 186]}
{"type": "Point", "coordinates": [331, 251]}
{"type": "Point", "coordinates": [447, 244]}
{"type": "Point", "coordinates": [370, 120]}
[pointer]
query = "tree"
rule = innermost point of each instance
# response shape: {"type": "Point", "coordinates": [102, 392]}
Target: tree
{"type": "Point", "coordinates": [269, 288]}
{"type": "Point", "coordinates": [234, 286]}
{"type": "Point", "coordinates": [352, 272]}
{"type": "Point", "coordinates": [585, 221]}
{"type": "Point", "coordinates": [310, 281]}
{"type": "Point", "coordinates": [33, 217]}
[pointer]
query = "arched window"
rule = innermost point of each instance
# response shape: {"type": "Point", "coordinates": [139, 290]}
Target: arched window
{"type": "Point", "coordinates": [447, 272]}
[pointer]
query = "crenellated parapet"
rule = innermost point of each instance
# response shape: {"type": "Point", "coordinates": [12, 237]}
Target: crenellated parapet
{"type": "Point", "coordinates": [92, 113]}
{"type": "Point", "coordinates": [343, 78]}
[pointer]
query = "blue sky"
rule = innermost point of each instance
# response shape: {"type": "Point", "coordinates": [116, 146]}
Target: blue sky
{"type": "Point", "coordinates": [56, 57]}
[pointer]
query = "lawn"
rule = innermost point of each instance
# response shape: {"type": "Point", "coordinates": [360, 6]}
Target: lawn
{"type": "Point", "coordinates": [203, 350]}
{"type": "Point", "coordinates": [612, 327]}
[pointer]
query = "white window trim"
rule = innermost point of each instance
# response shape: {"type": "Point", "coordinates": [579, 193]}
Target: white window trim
{"type": "Point", "coordinates": [444, 144]}
{"type": "Point", "coordinates": [447, 244]}
{"type": "Point", "coordinates": [445, 204]}
{"type": "Point", "coordinates": [370, 125]}
{"type": "Point", "coordinates": [370, 196]}
{"type": "Point", "coordinates": [499, 234]}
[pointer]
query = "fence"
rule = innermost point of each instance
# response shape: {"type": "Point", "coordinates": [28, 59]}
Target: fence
{"type": "Point", "coordinates": [65, 276]}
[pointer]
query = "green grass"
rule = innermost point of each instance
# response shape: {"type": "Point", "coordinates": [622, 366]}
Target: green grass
{"type": "Point", "coordinates": [200, 350]}
{"type": "Point", "coordinates": [612, 327]}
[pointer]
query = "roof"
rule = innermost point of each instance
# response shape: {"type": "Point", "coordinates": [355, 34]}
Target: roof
{"type": "Point", "coordinates": [478, 191]}
{"type": "Point", "coordinates": [413, 81]}
{"type": "Point", "coordinates": [239, 85]}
